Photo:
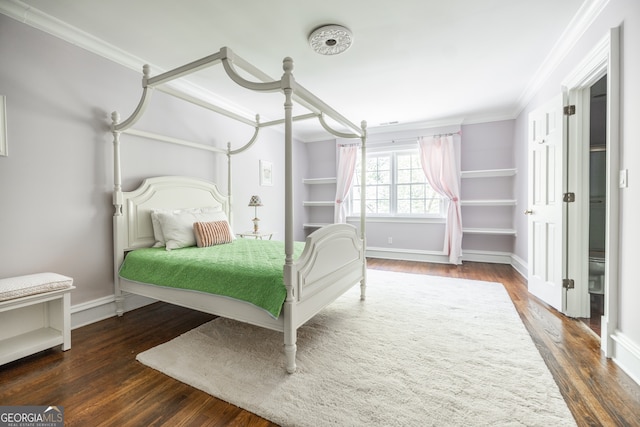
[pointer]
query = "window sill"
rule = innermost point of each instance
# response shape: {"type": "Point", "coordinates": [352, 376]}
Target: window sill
{"type": "Point", "coordinates": [400, 219]}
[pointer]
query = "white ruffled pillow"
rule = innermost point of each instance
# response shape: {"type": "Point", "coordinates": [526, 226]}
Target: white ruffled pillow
{"type": "Point", "coordinates": [157, 229]}
{"type": "Point", "coordinates": [177, 228]}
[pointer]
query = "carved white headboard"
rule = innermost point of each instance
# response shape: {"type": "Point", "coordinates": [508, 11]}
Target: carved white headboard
{"type": "Point", "coordinates": [133, 228]}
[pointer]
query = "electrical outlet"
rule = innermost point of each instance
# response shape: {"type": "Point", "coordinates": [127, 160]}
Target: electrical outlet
{"type": "Point", "coordinates": [390, 240]}
{"type": "Point", "coordinates": [624, 178]}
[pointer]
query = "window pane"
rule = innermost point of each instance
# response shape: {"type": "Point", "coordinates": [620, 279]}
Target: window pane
{"type": "Point", "coordinates": [355, 193]}
{"type": "Point", "coordinates": [373, 178]}
{"type": "Point", "coordinates": [404, 207]}
{"type": "Point", "coordinates": [417, 175]}
{"type": "Point", "coordinates": [415, 162]}
{"type": "Point", "coordinates": [417, 191]}
{"type": "Point", "coordinates": [355, 206]}
{"type": "Point", "coordinates": [383, 192]}
{"type": "Point", "coordinates": [404, 192]}
{"type": "Point", "coordinates": [372, 192]}
{"type": "Point", "coordinates": [383, 206]}
{"type": "Point", "coordinates": [404, 176]}
{"type": "Point", "coordinates": [404, 161]}
{"type": "Point", "coordinates": [433, 206]}
{"type": "Point", "coordinates": [384, 162]}
{"type": "Point", "coordinates": [431, 193]}
{"type": "Point", "coordinates": [378, 177]}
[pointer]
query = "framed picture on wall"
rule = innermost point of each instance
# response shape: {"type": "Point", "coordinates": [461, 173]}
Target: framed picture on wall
{"type": "Point", "coordinates": [266, 173]}
{"type": "Point", "coordinates": [4, 149]}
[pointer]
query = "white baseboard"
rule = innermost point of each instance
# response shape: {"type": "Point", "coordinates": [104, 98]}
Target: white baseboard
{"type": "Point", "coordinates": [407, 255]}
{"type": "Point", "coordinates": [438, 257]}
{"type": "Point", "coordinates": [103, 308]}
{"type": "Point", "coordinates": [486, 256]}
{"type": "Point", "coordinates": [626, 354]}
{"type": "Point", "coordinates": [520, 265]}
{"type": "Point", "coordinates": [92, 311]}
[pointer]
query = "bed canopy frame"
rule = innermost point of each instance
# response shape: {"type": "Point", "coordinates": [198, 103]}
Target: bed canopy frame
{"type": "Point", "coordinates": [293, 92]}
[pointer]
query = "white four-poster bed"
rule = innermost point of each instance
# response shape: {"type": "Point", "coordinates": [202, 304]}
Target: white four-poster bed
{"type": "Point", "coordinates": [333, 258]}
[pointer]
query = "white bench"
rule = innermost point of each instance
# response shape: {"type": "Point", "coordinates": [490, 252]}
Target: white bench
{"type": "Point", "coordinates": [35, 314]}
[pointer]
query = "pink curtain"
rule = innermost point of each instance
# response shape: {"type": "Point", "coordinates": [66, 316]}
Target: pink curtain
{"type": "Point", "coordinates": [438, 160]}
{"type": "Point", "coordinates": [347, 155]}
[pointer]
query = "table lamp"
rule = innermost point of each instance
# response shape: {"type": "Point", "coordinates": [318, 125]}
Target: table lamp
{"type": "Point", "coordinates": [255, 202]}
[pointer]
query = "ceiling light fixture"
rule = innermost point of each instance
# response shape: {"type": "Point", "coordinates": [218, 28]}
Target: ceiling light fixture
{"type": "Point", "coordinates": [330, 39]}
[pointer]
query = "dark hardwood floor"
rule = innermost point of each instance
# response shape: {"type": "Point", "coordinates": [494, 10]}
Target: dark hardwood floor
{"type": "Point", "coordinates": [99, 382]}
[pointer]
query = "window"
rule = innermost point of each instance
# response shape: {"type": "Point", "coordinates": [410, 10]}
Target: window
{"type": "Point", "coordinates": [396, 186]}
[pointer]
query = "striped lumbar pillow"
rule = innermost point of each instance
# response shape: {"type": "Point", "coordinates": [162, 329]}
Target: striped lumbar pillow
{"type": "Point", "coordinates": [212, 233]}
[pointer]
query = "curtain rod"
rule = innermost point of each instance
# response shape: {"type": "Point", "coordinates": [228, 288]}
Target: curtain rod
{"type": "Point", "coordinates": [424, 136]}
{"type": "Point", "coordinates": [447, 134]}
{"type": "Point", "coordinates": [415, 138]}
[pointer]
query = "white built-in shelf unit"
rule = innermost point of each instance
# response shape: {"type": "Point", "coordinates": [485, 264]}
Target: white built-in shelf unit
{"type": "Point", "coordinates": [489, 173]}
{"type": "Point", "coordinates": [318, 203]}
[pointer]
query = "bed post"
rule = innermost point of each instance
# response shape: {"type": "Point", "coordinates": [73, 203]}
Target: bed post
{"type": "Point", "coordinates": [229, 200]}
{"type": "Point", "coordinates": [290, 333]}
{"type": "Point", "coordinates": [363, 205]}
{"type": "Point", "coordinates": [118, 256]}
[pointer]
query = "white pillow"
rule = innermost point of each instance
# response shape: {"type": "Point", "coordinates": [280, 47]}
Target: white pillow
{"type": "Point", "coordinates": [158, 235]}
{"type": "Point", "coordinates": [177, 228]}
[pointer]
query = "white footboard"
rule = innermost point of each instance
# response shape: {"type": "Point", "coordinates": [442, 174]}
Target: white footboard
{"type": "Point", "coordinates": [332, 262]}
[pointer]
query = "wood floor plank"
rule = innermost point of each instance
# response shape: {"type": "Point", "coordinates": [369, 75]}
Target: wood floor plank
{"type": "Point", "coordinates": [99, 382]}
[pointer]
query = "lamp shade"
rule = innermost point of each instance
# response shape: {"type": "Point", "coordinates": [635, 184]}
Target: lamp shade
{"type": "Point", "coordinates": [255, 201]}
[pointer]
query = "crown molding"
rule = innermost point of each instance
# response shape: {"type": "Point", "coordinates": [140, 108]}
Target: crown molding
{"type": "Point", "coordinates": [583, 19]}
{"type": "Point", "coordinates": [591, 67]}
{"type": "Point", "coordinates": [37, 19]}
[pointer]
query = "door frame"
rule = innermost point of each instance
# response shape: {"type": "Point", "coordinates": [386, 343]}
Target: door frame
{"type": "Point", "coordinates": [603, 59]}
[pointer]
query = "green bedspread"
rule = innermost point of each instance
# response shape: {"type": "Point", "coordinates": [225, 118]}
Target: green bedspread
{"type": "Point", "coordinates": [247, 270]}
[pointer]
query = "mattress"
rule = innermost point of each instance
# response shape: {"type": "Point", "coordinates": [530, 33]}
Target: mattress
{"type": "Point", "coordinates": [247, 270]}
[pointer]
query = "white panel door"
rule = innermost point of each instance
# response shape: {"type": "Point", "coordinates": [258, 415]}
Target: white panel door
{"type": "Point", "coordinates": [545, 215]}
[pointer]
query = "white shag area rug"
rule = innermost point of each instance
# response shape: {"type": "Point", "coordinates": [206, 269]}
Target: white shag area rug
{"type": "Point", "coordinates": [420, 351]}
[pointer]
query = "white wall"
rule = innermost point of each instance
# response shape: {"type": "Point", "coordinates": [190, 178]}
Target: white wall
{"type": "Point", "coordinates": [626, 14]}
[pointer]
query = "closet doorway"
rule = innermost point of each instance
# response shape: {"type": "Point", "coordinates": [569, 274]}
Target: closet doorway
{"type": "Point", "coordinates": [597, 167]}
{"type": "Point", "coordinates": [598, 75]}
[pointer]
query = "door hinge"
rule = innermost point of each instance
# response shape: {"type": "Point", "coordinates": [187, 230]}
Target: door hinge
{"type": "Point", "coordinates": [569, 110]}
{"type": "Point", "coordinates": [568, 283]}
{"type": "Point", "coordinates": [569, 197]}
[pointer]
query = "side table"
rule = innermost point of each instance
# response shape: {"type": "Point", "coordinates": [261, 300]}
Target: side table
{"type": "Point", "coordinates": [259, 235]}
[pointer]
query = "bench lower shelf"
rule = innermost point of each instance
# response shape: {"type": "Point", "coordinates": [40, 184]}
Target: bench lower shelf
{"type": "Point", "coordinates": [29, 343]}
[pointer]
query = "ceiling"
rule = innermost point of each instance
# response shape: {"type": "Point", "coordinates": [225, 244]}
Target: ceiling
{"type": "Point", "coordinates": [414, 62]}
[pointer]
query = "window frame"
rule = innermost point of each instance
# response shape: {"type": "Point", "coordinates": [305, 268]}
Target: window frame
{"type": "Point", "coordinates": [393, 216]}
